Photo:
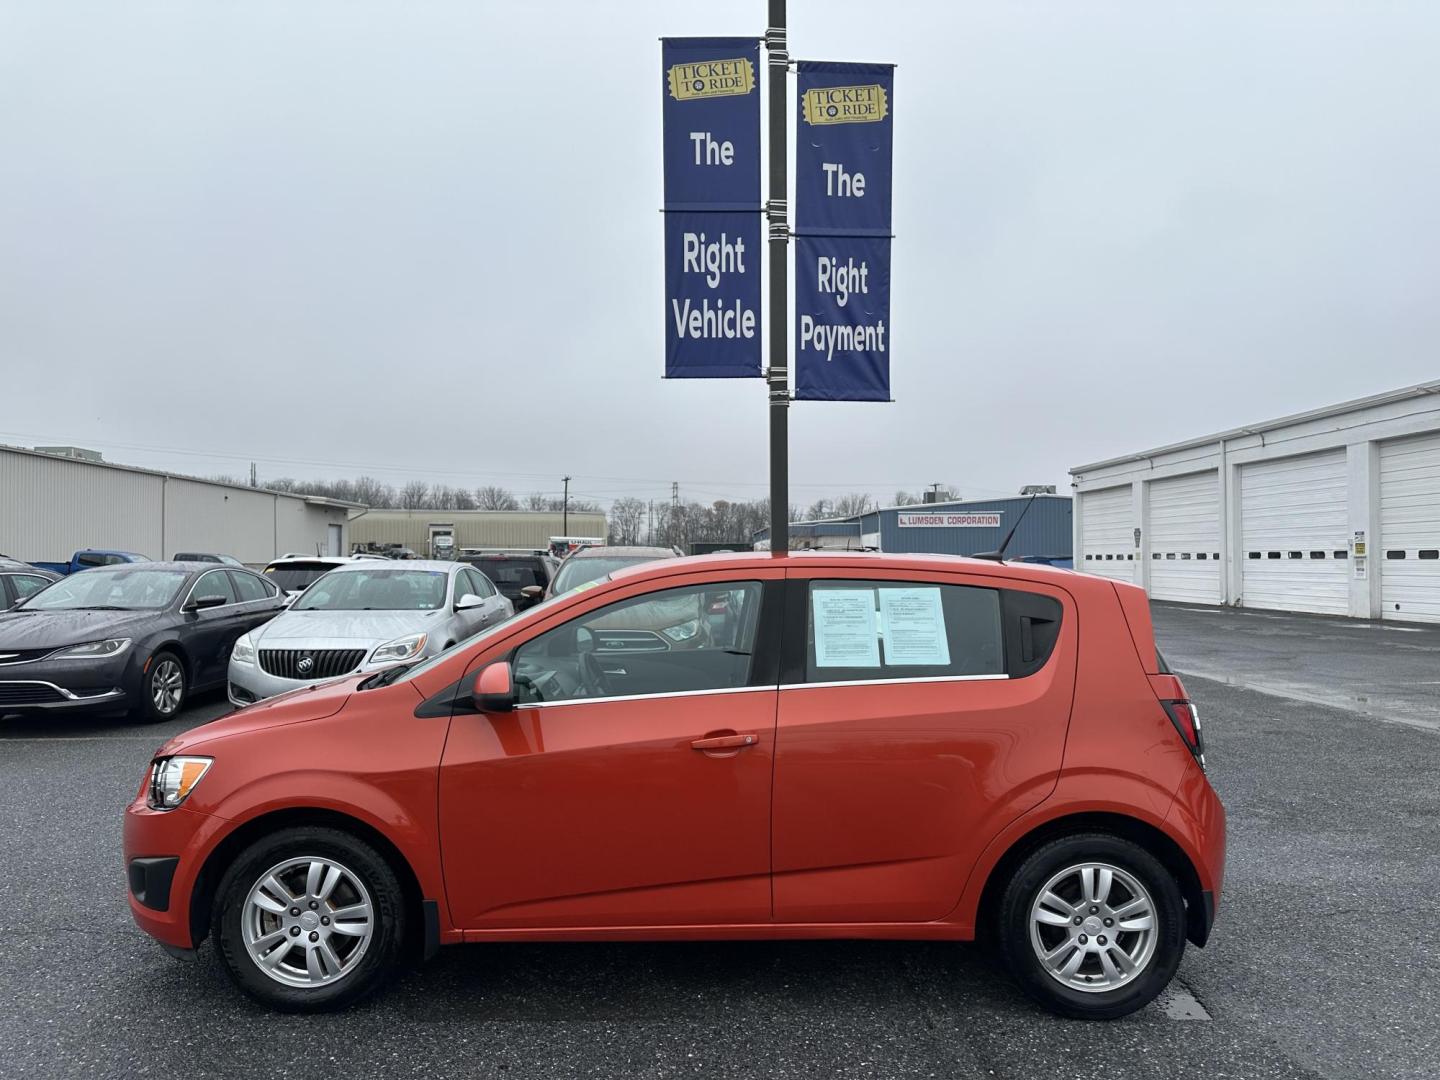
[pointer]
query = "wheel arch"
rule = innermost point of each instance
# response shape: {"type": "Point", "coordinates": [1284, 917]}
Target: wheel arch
{"type": "Point", "coordinates": [202, 894]}
{"type": "Point", "coordinates": [1153, 839]}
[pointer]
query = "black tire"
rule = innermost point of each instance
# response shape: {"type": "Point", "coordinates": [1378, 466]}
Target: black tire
{"type": "Point", "coordinates": [161, 666]}
{"type": "Point", "coordinates": [382, 952]}
{"type": "Point", "coordinates": [1012, 926]}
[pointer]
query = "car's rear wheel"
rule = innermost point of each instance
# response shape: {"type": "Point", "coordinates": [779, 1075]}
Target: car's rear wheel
{"type": "Point", "coordinates": [309, 919]}
{"type": "Point", "coordinates": [163, 690]}
{"type": "Point", "coordinates": [1092, 926]}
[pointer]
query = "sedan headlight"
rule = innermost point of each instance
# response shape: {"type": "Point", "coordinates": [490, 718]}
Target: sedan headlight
{"type": "Point", "coordinates": [92, 650]}
{"type": "Point", "coordinates": [682, 631]}
{"type": "Point", "coordinates": [402, 648]}
{"type": "Point", "coordinates": [172, 780]}
{"type": "Point", "coordinates": [244, 651]}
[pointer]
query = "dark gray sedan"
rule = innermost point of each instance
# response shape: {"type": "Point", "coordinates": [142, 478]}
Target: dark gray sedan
{"type": "Point", "coordinates": [135, 638]}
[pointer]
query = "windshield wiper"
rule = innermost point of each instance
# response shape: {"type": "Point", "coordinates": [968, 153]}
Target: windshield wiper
{"type": "Point", "coordinates": [384, 678]}
{"type": "Point", "coordinates": [92, 607]}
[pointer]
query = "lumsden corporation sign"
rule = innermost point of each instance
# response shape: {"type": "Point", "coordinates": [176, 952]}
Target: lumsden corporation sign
{"type": "Point", "coordinates": [990, 520]}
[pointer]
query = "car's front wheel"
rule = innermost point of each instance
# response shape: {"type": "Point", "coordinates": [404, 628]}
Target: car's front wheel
{"type": "Point", "coordinates": [1092, 926]}
{"type": "Point", "coordinates": [309, 919]}
{"type": "Point", "coordinates": [163, 689]}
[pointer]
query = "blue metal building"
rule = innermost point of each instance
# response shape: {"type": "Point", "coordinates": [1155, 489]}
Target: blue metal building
{"type": "Point", "coordinates": [962, 527]}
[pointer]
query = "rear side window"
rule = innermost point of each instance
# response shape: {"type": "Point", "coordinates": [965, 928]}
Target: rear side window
{"type": "Point", "coordinates": [248, 587]}
{"type": "Point", "coordinates": [858, 630]}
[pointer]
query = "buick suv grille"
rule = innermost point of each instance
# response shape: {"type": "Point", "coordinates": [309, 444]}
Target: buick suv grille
{"type": "Point", "coordinates": [310, 663]}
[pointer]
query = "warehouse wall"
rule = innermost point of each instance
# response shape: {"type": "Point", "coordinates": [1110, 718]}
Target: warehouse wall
{"type": "Point", "coordinates": [521, 529]}
{"type": "Point", "coordinates": [51, 507]}
{"type": "Point", "coordinates": [1044, 531]}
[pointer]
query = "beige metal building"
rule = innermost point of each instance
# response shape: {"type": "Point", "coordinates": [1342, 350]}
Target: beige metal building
{"type": "Point", "coordinates": [515, 529]}
{"type": "Point", "coordinates": [51, 506]}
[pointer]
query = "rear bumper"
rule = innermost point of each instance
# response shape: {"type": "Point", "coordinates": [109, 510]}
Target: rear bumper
{"type": "Point", "coordinates": [1198, 816]}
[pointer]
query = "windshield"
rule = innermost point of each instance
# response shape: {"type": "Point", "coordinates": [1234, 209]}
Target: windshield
{"type": "Point", "coordinates": [123, 589]}
{"type": "Point", "coordinates": [578, 572]}
{"type": "Point", "coordinates": [297, 577]}
{"type": "Point", "coordinates": [376, 590]}
{"type": "Point", "coordinates": [511, 575]}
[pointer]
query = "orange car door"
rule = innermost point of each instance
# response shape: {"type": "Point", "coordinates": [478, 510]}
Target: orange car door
{"type": "Point", "coordinates": [631, 785]}
{"type": "Point", "coordinates": [911, 728]}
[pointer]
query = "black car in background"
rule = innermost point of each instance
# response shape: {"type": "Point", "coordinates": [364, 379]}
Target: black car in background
{"type": "Point", "coordinates": [19, 580]}
{"type": "Point", "coordinates": [515, 571]}
{"type": "Point", "coordinates": [135, 638]}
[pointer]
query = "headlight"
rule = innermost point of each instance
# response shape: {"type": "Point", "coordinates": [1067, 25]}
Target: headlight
{"type": "Point", "coordinates": [402, 648]}
{"type": "Point", "coordinates": [682, 631]}
{"type": "Point", "coordinates": [93, 650]}
{"type": "Point", "coordinates": [244, 651]}
{"type": "Point", "coordinates": [173, 778]}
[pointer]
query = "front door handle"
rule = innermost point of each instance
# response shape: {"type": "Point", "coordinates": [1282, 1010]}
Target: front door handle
{"type": "Point", "coordinates": [725, 742]}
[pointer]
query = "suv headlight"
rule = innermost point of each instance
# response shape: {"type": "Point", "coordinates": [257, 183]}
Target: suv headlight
{"type": "Point", "coordinates": [92, 650]}
{"type": "Point", "coordinates": [682, 631]}
{"type": "Point", "coordinates": [244, 651]}
{"type": "Point", "coordinates": [172, 780]}
{"type": "Point", "coordinates": [402, 648]}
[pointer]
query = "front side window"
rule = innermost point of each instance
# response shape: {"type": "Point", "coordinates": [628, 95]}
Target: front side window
{"type": "Point", "coordinates": [859, 630]}
{"type": "Point", "coordinates": [27, 585]}
{"type": "Point", "coordinates": [128, 589]}
{"type": "Point", "coordinates": [700, 637]}
{"type": "Point", "coordinates": [376, 589]}
{"type": "Point", "coordinates": [214, 583]}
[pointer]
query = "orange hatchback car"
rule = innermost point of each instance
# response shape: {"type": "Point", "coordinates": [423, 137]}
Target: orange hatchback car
{"type": "Point", "coordinates": [820, 746]}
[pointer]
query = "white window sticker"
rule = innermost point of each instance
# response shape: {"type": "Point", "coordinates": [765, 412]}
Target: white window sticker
{"type": "Point", "coordinates": [845, 631]}
{"type": "Point", "coordinates": [914, 627]}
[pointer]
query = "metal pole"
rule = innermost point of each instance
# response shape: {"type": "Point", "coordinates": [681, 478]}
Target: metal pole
{"type": "Point", "coordinates": [777, 211]}
{"type": "Point", "coordinates": [565, 508]}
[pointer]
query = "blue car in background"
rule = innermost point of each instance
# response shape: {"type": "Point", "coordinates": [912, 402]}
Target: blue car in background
{"type": "Point", "coordinates": [90, 558]}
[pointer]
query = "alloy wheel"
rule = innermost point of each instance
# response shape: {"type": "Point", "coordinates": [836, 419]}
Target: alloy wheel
{"type": "Point", "coordinates": [307, 921]}
{"type": "Point", "coordinates": [167, 686]}
{"type": "Point", "coordinates": [1093, 927]}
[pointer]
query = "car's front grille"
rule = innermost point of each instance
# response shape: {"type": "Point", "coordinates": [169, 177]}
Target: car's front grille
{"type": "Point", "coordinates": [22, 656]}
{"type": "Point", "coordinates": [310, 663]}
{"type": "Point", "coordinates": [29, 693]}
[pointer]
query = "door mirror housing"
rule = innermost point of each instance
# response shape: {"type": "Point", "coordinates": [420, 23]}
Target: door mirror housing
{"type": "Point", "coordinates": [532, 592]}
{"type": "Point", "coordinates": [468, 601]}
{"type": "Point", "coordinates": [199, 603]}
{"type": "Point", "coordinates": [495, 688]}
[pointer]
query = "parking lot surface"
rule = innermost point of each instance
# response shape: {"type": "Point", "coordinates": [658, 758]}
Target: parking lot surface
{"type": "Point", "coordinates": [1319, 966]}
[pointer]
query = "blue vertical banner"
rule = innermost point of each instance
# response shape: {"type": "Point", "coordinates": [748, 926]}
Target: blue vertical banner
{"type": "Point", "coordinates": [713, 244]}
{"type": "Point", "coordinates": [844, 141]}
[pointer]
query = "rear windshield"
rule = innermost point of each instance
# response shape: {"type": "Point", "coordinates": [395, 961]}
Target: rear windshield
{"type": "Point", "coordinates": [577, 572]}
{"type": "Point", "coordinates": [512, 575]}
{"type": "Point", "coordinates": [297, 576]}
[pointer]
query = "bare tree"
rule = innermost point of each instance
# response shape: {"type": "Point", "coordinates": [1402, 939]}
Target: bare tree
{"type": "Point", "coordinates": [626, 517]}
{"type": "Point", "coordinates": [906, 498]}
{"type": "Point", "coordinates": [853, 505]}
{"type": "Point", "coordinates": [536, 501]}
{"type": "Point", "coordinates": [462, 499]}
{"type": "Point", "coordinates": [415, 496]}
{"type": "Point", "coordinates": [491, 497]}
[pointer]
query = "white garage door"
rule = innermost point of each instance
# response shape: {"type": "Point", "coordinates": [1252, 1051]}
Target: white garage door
{"type": "Point", "coordinates": [1408, 554]}
{"type": "Point", "coordinates": [1185, 539]}
{"type": "Point", "coordinates": [1293, 522]}
{"type": "Point", "coordinates": [1107, 533]}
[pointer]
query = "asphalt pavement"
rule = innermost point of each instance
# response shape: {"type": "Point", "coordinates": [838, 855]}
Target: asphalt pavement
{"type": "Point", "coordinates": [1321, 964]}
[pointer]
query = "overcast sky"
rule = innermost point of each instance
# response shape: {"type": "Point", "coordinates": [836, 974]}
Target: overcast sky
{"type": "Point", "coordinates": [411, 239]}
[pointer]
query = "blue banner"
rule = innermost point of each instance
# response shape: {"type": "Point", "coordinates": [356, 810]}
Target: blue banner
{"type": "Point", "coordinates": [712, 295]}
{"type": "Point", "coordinates": [842, 318]}
{"type": "Point", "coordinates": [711, 94]}
{"type": "Point", "coordinates": [842, 225]}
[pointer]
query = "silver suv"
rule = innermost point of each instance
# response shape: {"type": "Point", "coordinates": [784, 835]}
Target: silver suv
{"type": "Point", "coordinates": [361, 616]}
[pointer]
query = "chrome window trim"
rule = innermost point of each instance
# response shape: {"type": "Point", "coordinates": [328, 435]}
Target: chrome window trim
{"type": "Point", "coordinates": [1002, 677]}
{"type": "Point", "coordinates": [218, 570]}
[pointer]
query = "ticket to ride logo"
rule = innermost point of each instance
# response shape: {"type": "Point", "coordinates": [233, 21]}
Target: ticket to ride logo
{"type": "Point", "coordinates": [845, 104]}
{"type": "Point", "coordinates": [711, 78]}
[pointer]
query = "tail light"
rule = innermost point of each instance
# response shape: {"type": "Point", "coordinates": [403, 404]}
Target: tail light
{"type": "Point", "coordinates": [1186, 719]}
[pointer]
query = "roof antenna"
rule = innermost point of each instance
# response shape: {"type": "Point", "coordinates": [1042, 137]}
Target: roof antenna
{"type": "Point", "coordinates": [999, 556]}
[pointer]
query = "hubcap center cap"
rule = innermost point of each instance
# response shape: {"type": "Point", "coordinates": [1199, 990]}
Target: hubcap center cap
{"type": "Point", "coordinates": [1093, 925]}
{"type": "Point", "coordinates": [309, 920]}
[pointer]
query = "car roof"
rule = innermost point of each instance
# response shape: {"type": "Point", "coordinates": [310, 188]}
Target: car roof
{"type": "Point", "coordinates": [444, 565]}
{"type": "Point", "coordinates": [168, 564]}
{"type": "Point", "coordinates": [328, 560]}
{"type": "Point", "coordinates": [859, 560]}
{"type": "Point", "coordinates": [623, 550]}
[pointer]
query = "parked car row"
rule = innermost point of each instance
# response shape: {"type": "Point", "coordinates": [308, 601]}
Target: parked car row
{"type": "Point", "coordinates": [118, 633]}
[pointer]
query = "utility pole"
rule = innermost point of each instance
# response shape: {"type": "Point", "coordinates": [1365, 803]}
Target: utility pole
{"type": "Point", "coordinates": [777, 211]}
{"type": "Point", "coordinates": [565, 508]}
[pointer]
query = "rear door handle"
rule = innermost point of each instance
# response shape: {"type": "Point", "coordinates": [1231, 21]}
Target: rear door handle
{"type": "Point", "coordinates": [725, 742]}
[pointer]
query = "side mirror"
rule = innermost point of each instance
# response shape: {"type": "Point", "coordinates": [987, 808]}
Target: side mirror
{"type": "Point", "coordinates": [532, 592]}
{"type": "Point", "coordinates": [494, 689]}
{"type": "Point", "coordinates": [199, 603]}
{"type": "Point", "coordinates": [468, 601]}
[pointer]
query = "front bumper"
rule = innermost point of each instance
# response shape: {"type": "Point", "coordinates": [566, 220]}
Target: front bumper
{"type": "Point", "coordinates": [248, 683]}
{"type": "Point", "coordinates": [45, 686]}
{"type": "Point", "coordinates": [164, 851]}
